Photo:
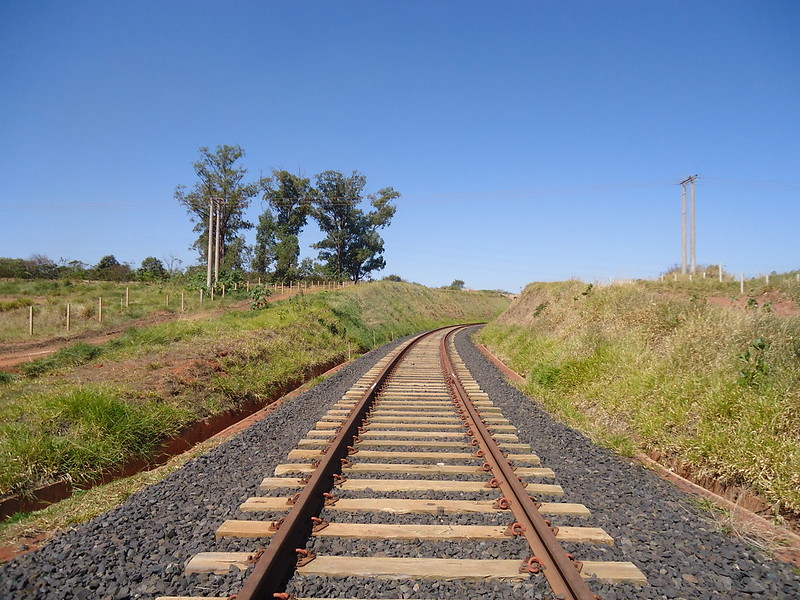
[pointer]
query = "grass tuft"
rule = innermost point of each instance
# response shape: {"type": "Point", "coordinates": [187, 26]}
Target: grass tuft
{"type": "Point", "coordinates": [71, 356]}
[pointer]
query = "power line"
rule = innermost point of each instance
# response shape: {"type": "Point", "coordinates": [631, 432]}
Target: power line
{"type": "Point", "coordinates": [503, 194]}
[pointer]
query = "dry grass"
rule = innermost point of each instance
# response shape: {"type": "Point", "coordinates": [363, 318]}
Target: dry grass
{"type": "Point", "coordinates": [648, 369]}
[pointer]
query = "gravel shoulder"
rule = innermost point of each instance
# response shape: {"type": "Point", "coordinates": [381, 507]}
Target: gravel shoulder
{"type": "Point", "coordinates": [139, 549]}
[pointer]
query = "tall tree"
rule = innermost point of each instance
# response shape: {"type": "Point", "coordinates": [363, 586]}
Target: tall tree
{"type": "Point", "coordinates": [289, 200]}
{"type": "Point", "coordinates": [352, 247]}
{"type": "Point", "coordinates": [222, 182]}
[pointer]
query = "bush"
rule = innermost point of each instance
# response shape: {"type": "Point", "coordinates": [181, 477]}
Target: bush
{"type": "Point", "coordinates": [258, 296]}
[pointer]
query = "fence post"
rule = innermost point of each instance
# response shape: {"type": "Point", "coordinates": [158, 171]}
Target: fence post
{"type": "Point", "coordinates": [720, 273]}
{"type": "Point", "coordinates": [201, 295]}
{"type": "Point", "coordinates": [100, 309]}
{"type": "Point", "coordinates": [767, 278]}
{"type": "Point", "coordinates": [167, 299]}
{"type": "Point", "coordinates": [223, 290]}
{"type": "Point", "coordinates": [68, 316]}
{"type": "Point", "coordinates": [127, 297]}
{"type": "Point", "coordinates": [741, 283]}
{"type": "Point", "coordinates": [182, 305]}
{"type": "Point", "coordinates": [30, 319]}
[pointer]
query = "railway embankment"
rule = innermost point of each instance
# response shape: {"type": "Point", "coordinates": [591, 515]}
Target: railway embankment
{"type": "Point", "coordinates": [700, 377]}
{"type": "Point", "coordinates": [91, 410]}
{"type": "Point", "coordinates": [144, 548]}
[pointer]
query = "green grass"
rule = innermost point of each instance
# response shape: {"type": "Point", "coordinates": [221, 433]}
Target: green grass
{"type": "Point", "coordinates": [69, 356]}
{"type": "Point", "coordinates": [51, 427]}
{"type": "Point", "coordinates": [642, 367]}
{"type": "Point", "coordinates": [80, 432]}
{"type": "Point", "coordinates": [49, 300]}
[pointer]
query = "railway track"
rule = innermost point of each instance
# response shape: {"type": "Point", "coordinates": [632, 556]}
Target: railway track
{"type": "Point", "coordinates": [426, 481]}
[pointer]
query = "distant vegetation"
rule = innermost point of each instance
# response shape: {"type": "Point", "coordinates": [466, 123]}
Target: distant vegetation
{"type": "Point", "coordinates": [670, 368]}
{"type": "Point", "coordinates": [50, 297]}
{"type": "Point", "coordinates": [172, 374]}
{"type": "Point", "coordinates": [351, 249]}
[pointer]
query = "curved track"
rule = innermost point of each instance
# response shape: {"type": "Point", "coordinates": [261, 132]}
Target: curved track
{"type": "Point", "coordinates": [413, 459]}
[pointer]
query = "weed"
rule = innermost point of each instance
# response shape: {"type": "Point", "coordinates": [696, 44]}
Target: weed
{"type": "Point", "coordinates": [6, 377]}
{"type": "Point", "coordinates": [754, 360]}
{"type": "Point", "coordinates": [70, 356]}
{"type": "Point", "coordinates": [258, 296]}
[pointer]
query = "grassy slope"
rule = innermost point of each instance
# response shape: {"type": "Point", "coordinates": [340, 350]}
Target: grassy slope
{"type": "Point", "coordinates": [50, 299]}
{"type": "Point", "coordinates": [654, 367]}
{"type": "Point", "coordinates": [51, 426]}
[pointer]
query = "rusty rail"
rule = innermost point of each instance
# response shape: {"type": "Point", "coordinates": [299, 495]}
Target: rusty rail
{"type": "Point", "coordinates": [560, 569]}
{"type": "Point", "coordinates": [281, 556]}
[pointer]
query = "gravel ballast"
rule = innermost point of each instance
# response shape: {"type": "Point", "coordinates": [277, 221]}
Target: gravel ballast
{"type": "Point", "coordinates": [139, 550]}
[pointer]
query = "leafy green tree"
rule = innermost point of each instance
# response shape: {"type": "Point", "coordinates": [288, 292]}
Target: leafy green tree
{"type": "Point", "coordinates": [310, 269]}
{"type": "Point", "coordinates": [109, 268]}
{"type": "Point", "coordinates": [266, 240]}
{"type": "Point", "coordinates": [289, 200]}
{"type": "Point", "coordinates": [352, 247]}
{"type": "Point", "coordinates": [108, 261]}
{"type": "Point", "coordinates": [457, 284]}
{"type": "Point", "coordinates": [151, 269]}
{"type": "Point", "coordinates": [220, 181]}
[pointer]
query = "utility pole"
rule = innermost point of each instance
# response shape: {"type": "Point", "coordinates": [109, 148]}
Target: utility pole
{"type": "Point", "coordinates": [210, 239]}
{"type": "Point", "coordinates": [691, 179]}
{"type": "Point", "coordinates": [683, 237]}
{"type": "Point", "coordinates": [692, 240]}
{"type": "Point", "coordinates": [216, 254]}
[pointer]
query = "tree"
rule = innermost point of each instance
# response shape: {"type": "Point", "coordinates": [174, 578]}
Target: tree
{"type": "Point", "coordinates": [264, 250]}
{"type": "Point", "coordinates": [289, 200]}
{"type": "Point", "coordinates": [352, 247]}
{"type": "Point", "coordinates": [457, 284]}
{"type": "Point", "coordinates": [105, 263]}
{"type": "Point", "coordinates": [109, 268]}
{"type": "Point", "coordinates": [220, 181]}
{"type": "Point", "coordinates": [152, 268]}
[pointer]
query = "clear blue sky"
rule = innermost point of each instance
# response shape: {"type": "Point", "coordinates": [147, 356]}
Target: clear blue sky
{"type": "Point", "coordinates": [530, 140]}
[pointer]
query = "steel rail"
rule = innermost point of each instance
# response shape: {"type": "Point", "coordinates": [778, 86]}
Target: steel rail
{"type": "Point", "coordinates": [558, 567]}
{"type": "Point", "coordinates": [280, 557]}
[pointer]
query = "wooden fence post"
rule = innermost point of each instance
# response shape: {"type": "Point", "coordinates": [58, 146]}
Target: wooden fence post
{"type": "Point", "coordinates": [182, 304]}
{"type": "Point", "coordinates": [100, 309]}
{"type": "Point", "coordinates": [127, 297]}
{"type": "Point", "coordinates": [30, 319]}
{"type": "Point", "coordinates": [201, 295]}
{"type": "Point", "coordinates": [68, 316]}
{"type": "Point", "coordinates": [741, 283]}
